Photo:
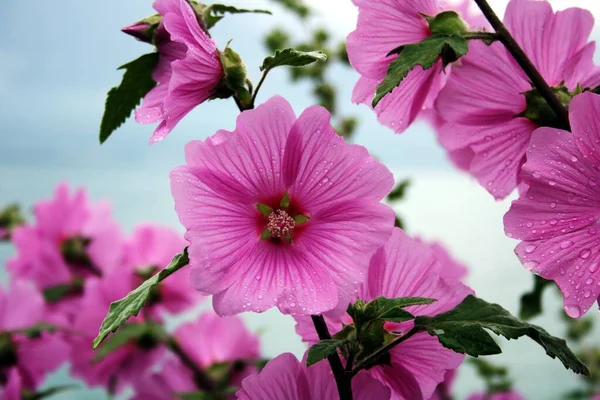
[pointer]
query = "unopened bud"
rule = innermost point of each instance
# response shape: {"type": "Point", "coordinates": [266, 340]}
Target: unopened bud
{"type": "Point", "coordinates": [10, 218]}
{"type": "Point", "coordinates": [144, 30]}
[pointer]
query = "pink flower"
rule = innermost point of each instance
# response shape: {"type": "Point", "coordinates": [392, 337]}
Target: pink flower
{"type": "Point", "coordinates": [453, 270]}
{"type": "Point", "coordinates": [511, 395]}
{"type": "Point", "coordinates": [302, 266]}
{"type": "Point", "coordinates": [443, 391]}
{"type": "Point", "coordinates": [71, 239]}
{"type": "Point", "coordinates": [26, 360]}
{"type": "Point", "coordinates": [484, 96]}
{"type": "Point", "coordinates": [404, 267]}
{"type": "Point", "coordinates": [286, 378]}
{"type": "Point", "coordinates": [150, 249]}
{"type": "Point", "coordinates": [188, 71]}
{"type": "Point", "coordinates": [122, 366]}
{"type": "Point", "coordinates": [382, 27]}
{"type": "Point", "coordinates": [557, 218]}
{"type": "Point", "coordinates": [208, 341]}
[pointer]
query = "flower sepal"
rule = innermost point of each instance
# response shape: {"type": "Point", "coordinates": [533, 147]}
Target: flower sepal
{"type": "Point", "coordinates": [145, 29]}
{"type": "Point", "coordinates": [235, 81]}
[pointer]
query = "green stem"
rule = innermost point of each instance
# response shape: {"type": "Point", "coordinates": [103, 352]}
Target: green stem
{"type": "Point", "coordinates": [524, 62]}
{"type": "Point", "coordinates": [258, 86]}
{"type": "Point", "coordinates": [489, 36]}
{"type": "Point", "coordinates": [342, 380]}
{"type": "Point", "coordinates": [383, 350]}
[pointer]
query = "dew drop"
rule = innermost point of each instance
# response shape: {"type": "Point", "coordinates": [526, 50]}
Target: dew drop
{"type": "Point", "coordinates": [566, 244]}
{"type": "Point", "coordinates": [594, 267]}
{"type": "Point", "coordinates": [552, 205]}
{"type": "Point", "coordinates": [529, 265]}
{"type": "Point", "coordinates": [585, 253]}
{"type": "Point", "coordinates": [573, 311]}
{"type": "Point", "coordinates": [530, 248]}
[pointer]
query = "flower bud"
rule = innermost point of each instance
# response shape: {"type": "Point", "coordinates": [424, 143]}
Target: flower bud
{"type": "Point", "coordinates": [144, 30]}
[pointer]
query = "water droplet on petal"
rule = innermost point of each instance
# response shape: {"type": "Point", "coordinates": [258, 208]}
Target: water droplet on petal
{"type": "Point", "coordinates": [585, 253]}
{"type": "Point", "coordinates": [573, 311]}
{"type": "Point", "coordinates": [530, 248]}
{"type": "Point", "coordinates": [531, 264]}
{"type": "Point", "coordinates": [566, 244]}
{"type": "Point", "coordinates": [594, 267]}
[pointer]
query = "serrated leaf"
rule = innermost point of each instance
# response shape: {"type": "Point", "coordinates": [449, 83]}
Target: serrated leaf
{"type": "Point", "coordinates": [425, 54]}
{"type": "Point", "coordinates": [123, 99]}
{"type": "Point", "coordinates": [399, 191]}
{"type": "Point", "coordinates": [213, 13]}
{"type": "Point", "coordinates": [127, 334]}
{"type": "Point", "coordinates": [120, 311]}
{"type": "Point", "coordinates": [531, 302]}
{"type": "Point", "coordinates": [322, 350]}
{"type": "Point", "coordinates": [463, 329]}
{"type": "Point", "coordinates": [292, 58]}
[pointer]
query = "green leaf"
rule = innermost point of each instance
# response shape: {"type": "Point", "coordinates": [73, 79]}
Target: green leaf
{"type": "Point", "coordinates": [403, 302]}
{"type": "Point", "coordinates": [37, 329]}
{"type": "Point", "coordinates": [399, 191]}
{"type": "Point", "coordinates": [48, 392]}
{"type": "Point", "coordinates": [463, 330]}
{"type": "Point", "coordinates": [122, 100]}
{"type": "Point", "coordinates": [425, 53]}
{"type": "Point", "coordinates": [447, 23]}
{"type": "Point", "coordinates": [131, 304]}
{"type": "Point", "coordinates": [322, 350]}
{"type": "Point", "coordinates": [531, 302]}
{"type": "Point", "coordinates": [213, 13]}
{"type": "Point", "coordinates": [292, 58]}
{"type": "Point", "coordinates": [147, 334]}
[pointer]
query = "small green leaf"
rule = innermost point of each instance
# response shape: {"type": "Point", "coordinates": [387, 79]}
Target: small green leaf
{"type": "Point", "coordinates": [120, 311]}
{"type": "Point", "coordinates": [322, 350]}
{"type": "Point", "coordinates": [403, 302]}
{"type": "Point", "coordinates": [463, 330]}
{"type": "Point", "coordinates": [264, 209]}
{"type": "Point", "coordinates": [48, 392]}
{"type": "Point", "coordinates": [292, 58]}
{"type": "Point", "coordinates": [213, 13]}
{"type": "Point", "coordinates": [531, 302]}
{"type": "Point", "coordinates": [285, 201]}
{"type": "Point", "coordinates": [122, 100]}
{"type": "Point", "coordinates": [425, 54]}
{"type": "Point", "coordinates": [301, 219]}
{"type": "Point", "coordinates": [396, 315]}
{"type": "Point", "coordinates": [399, 191]}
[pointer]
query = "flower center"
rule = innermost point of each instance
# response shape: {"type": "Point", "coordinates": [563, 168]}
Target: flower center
{"type": "Point", "coordinates": [280, 224]}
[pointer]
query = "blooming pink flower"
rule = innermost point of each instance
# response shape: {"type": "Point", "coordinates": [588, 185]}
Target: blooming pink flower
{"type": "Point", "coordinates": [286, 378]}
{"type": "Point", "coordinates": [453, 270]}
{"type": "Point", "coordinates": [511, 395]}
{"type": "Point", "coordinates": [125, 364]}
{"type": "Point", "coordinates": [404, 267]}
{"type": "Point", "coordinates": [303, 267]}
{"type": "Point", "coordinates": [26, 360]}
{"type": "Point", "coordinates": [188, 71]}
{"type": "Point", "coordinates": [382, 27]}
{"type": "Point", "coordinates": [557, 218]}
{"type": "Point", "coordinates": [443, 391]}
{"type": "Point", "coordinates": [484, 96]}
{"type": "Point", "coordinates": [41, 256]}
{"type": "Point", "coordinates": [151, 248]}
{"type": "Point", "coordinates": [210, 340]}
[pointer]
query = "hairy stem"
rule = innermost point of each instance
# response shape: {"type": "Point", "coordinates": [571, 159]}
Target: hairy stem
{"type": "Point", "coordinates": [342, 380]}
{"type": "Point", "coordinates": [524, 62]}
{"type": "Point", "coordinates": [203, 381]}
{"type": "Point", "coordinates": [376, 355]}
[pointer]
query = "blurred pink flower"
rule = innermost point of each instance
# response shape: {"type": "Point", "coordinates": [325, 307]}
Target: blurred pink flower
{"type": "Point", "coordinates": [286, 378]}
{"type": "Point", "coordinates": [188, 71]}
{"type": "Point", "coordinates": [27, 360]}
{"type": "Point", "coordinates": [484, 96]}
{"type": "Point", "coordinates": [512, 395]}
{"type": "Point", "coordinates": [304, 267]}
{"type": "Point", "coordinates": [404, 267]}
{"type": "Point", "coordinates": [12, 389]}
{"type": "Point", "coordinates": [557, 218]}
{"type": "Point", "coordinates": [209, 340]}
{"type": "Point", "coordinates": [382, 27]}
{"type": "Point", "coordinates": [70, 238]}
{"type": "Point", "coordinates": [125, 364]}
{"type": "Point", "coordinates": [453, 270]}
{"type": "Point", "coordinates": [150, 249]}
{"type": "Point", "coordinates": [443, 391]}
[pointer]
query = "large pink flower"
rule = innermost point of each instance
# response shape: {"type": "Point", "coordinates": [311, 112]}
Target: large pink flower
{"type": "Point", "coordinates": [382, 27]}
{"type": "Point", "coordinates": [188, 71]}
{"type": "Point", "coordinates": [511, 395]}
{"type": "Point", "coordinates": [151, 248]}
{"type": "Point", "coordinates": [404, 267]}
{"type": "Point", "coordinates": [285, 377]}
{"type": "Point", "coordinates": [484, 96]}
{"type": "Point", "coordinates": [122, 366]}
{"type": "Point", "coordinates": [557, 218]}
{"type": "Point", "coordinates": [210, 340]}
{"type": "Point", "coordinates": [71, 238]}
{"type": "Point", "coordinates": [26, 360]}
{"type": "Point", "coordinates": [301, 266]}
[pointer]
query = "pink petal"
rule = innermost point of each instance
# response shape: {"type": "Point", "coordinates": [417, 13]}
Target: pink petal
{"type": "Point", "coordinates": [38, 357]}
{"type": "Point", "coordinates": [584, 114]}
{"type": "Point", "coordinates": [401, 382]}
{"type": "Point", "coordinates": [21, 306]}
{"type": "Point", "coordinates": [321, 170]}
{"type": "Point", "coordinates": [383, 26]}
{"type": "Point", "coordinates": [13, 387]}
{"type": "Point", "coordinates": [163, 385]}
{"type": "Point", "coordinates": [399, 109]}
{"type": "Point", "coordinates": [486, 88]}
{"type": "Point", "coordinates": [282, 378]}
{"type": "Point", "coordinates": [582, 70]}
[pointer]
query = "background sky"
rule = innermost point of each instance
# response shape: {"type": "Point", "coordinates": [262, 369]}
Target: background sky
{"type": "Point", "coordinates": [57, 61]}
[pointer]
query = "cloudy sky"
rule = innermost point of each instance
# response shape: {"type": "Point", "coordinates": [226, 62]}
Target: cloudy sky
{"type": "Point", "coordinates": [58, 59]}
